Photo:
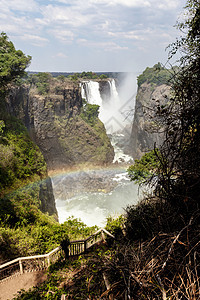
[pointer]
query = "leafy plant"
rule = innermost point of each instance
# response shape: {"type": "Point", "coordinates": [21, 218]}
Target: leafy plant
{"type": "Point", "coordinates": [90, 113]}
{"type": "Point", "coordinates": [156, 75]}
{"type": "Point", "coordinates": [12, 62]}
{"type": "Point", "coordinates": [144, 168]}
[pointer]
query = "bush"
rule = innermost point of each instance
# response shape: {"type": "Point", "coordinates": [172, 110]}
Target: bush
{"type": "Point", "coordinates": [90, 113]}
{"type": "Point", "coordinates": [144, 168]}
{"type": "Point", "coordinates": [156, 75]}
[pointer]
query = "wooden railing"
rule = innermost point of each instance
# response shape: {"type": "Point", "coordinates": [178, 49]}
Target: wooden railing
{"type": "Point", "coordinates": [81, 246]}
{"type": "Point", "coordinates": [22, 265]}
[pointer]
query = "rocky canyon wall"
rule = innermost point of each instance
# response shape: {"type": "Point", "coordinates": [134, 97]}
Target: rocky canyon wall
{"type": "Point", "coordinates": [55, 123]}
{"type": "Point", "coordinates": [144, 134]}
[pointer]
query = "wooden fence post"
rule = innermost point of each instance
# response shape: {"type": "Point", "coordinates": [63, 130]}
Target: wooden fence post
{"type": "Point", "coordinates": [48, 260]}
{"type": "Point", "coordinates": [102, 235]}
{"type": "Point", "coordinates": [85, 246]}
{"type": "Point", "coordinates": [20, 266]}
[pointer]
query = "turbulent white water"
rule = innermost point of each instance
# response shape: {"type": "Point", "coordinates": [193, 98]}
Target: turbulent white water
{"type": "Point", "coordinates": [120, 156]}
{"type": "Point", "coordinates": [93, 207]}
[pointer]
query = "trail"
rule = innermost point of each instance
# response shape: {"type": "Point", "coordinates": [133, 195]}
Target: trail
{"type": "Point", "coordinates": [10, 287]}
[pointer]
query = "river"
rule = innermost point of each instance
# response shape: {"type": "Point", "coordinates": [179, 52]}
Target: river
{"type": "Point", "coordinates": [95, 194]}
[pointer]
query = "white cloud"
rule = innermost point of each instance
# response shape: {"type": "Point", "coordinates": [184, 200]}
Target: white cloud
{"type": "Point", "coordinates": [167, 4]}
{"type": "Point", "coordinates": [60, 55]}
{"type": "Point", "coordinates": [19, 5]}
{"type": "Point", "coordinates": [32, 37]}
{"type": "Point", "coordinates": [64, 15]}
{"type": "Point", "coordinates": [104, 25]}
{"type": "Point", "coordinates": [35, 40]}
{"type": "Point", "coordinates": [129, 3]}
{"type": "Point", "coordinates": [62, 34]}
{"type": "Point", "coordinates": [131, 35]}
{"type": "Point", "coordinates": [107, 46]}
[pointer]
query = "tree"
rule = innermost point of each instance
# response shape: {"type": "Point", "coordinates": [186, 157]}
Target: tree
{"type": "Point", "coordinates": [12, 62]}
{"type": "Point", "coordinates": [178, 180]}
{"type": "Point", "coordinates": [176, 162]}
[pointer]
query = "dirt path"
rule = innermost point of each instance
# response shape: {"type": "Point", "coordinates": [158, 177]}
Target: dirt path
{"type": "Point", "coordinates": [10, 287]}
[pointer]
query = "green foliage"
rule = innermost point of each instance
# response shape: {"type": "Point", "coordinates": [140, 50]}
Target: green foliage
{"type": "Point", "coordinates": [27, 231]}
{"type": "Point", "coordinates": [179, 175]}
{"type": "Point", "coordinates": [144, 168]}
{"type": "Point", "coordinates": [86, 75]}
{"type": "Point", "coordinates": [157, 75]}
{"type": "Point", "coordinates": [142, 221]}
{"type": "Point", "coordinates": [61, 78]}
{"type": "Point", "coordinates": [189, 43]}
{"type": "Point", "coordinates": [41, 81]}
{"type": "Point", "coordinates": [2, 126]}
{"type": "Point", "coordinates": [115, 225]}
{"type": "Point", "coordinates": [19, 156]}
{"type": "Point", "coordinates": [74, 77]}
{"type": "Point", "coordinates": [12, 62]}
{"type": "Point", "coordinates": [38, 237]}
{"type": "Point", "coordinates": [90, 113]}
{"type": "Point", "coordinates": [103, 76]}
{"type": "Point", "coordinates": [77, 229]}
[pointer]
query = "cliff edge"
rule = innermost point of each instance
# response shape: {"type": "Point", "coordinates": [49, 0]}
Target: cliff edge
{"type": "Point", "coordinates": [153, 88]}
{"type": "Point", "coordinates": [59, 123]}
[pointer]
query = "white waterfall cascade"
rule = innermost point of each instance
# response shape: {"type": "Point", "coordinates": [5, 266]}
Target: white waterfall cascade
{"type": "Point", "coordinates": [113, 90]}
{"type": "Point", "coordinates": [90, 91]}
{"type": "Point", "coordinates": [110, 113]}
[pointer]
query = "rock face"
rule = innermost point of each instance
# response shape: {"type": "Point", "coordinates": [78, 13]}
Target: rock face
{"type": "Point", "coordinates": [55, 124]}
{"type": "Point", "coordinates": [47, 199]}
{"type": "Point", "coordinates": [104, 89]}
{"type": "Point", "coordinates": [143, 137]}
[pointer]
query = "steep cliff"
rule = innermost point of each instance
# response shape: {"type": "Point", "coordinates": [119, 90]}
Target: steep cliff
{"type": "Point", "coordinates": [54, 120]}
{"type": "Point", "coordinates": [144, 132]}
{"type": "Point", "coordinates": [23, 172]}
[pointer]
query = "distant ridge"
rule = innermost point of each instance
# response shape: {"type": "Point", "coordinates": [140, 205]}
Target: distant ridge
{"type": "Point", "coordinates": [109, 74]}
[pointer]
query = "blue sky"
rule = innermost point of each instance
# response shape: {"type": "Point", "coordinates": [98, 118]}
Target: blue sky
{"type": "Point", "coordinates": [91, 35]}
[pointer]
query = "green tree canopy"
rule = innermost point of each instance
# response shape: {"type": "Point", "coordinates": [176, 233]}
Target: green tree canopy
{"type": "Point", "coordinates": [12, 62]}
{"type": "Point", "coordinates": [179, 157]}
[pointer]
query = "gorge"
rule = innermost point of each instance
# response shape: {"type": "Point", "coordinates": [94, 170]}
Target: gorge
{"type": "Point", "coordinates": [86, 158]}
{"type": "Point", "coordinates": [56, 156]}
{"type": "Point", "coordinates": [95, 194]}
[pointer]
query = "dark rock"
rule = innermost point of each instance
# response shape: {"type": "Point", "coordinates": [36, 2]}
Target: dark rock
{"type": "Point", "coordinates": [55, 125]}
{"type": "Point", "coordinates": [143, 136]}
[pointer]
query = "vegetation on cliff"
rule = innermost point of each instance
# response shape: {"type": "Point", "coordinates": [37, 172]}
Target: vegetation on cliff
{"type": "Point", "coordinates": [70, 125]}
{"type": "Point", "coordinates": [13, 62]}
{"type": "Point", "coordinates": [20, 158]}
{"type": "Point", "coordinates": [25, 225]}
{"type": "Point", "coordinates": [26, 195]}
{"type": "Point", "coordinates": [143, 168]}
{"type": "Point", "coordinates": [156, 75]}
{"type": "Point", "coordinates": [87, 75]}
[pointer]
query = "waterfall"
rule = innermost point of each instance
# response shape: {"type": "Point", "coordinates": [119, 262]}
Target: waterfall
{"type": "Point", "coordinates": [110, 113]}
{"type": "Point", "coordinates": [113, 90]}
{"type": "Point", "coordinates": [109, 110]}
{"type": "Point", "coordinates": [90, 91]}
